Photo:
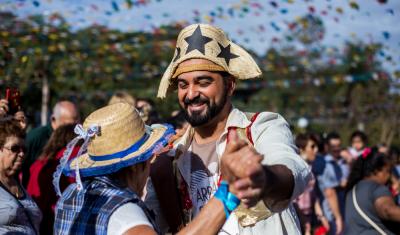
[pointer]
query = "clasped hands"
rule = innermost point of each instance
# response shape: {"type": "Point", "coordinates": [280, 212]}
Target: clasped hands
{"type": "Point", "coordinates": [241, 167]}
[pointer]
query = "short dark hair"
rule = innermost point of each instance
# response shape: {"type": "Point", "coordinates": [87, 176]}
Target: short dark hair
{"type": "Point", "coordinates": [332, 135]}
{"type": "Point", "coordinates": [302, 140]}
{"type": "Point", "coordinates": [360, 134]}
{"type": "Point", "coordinates": [9, 128]}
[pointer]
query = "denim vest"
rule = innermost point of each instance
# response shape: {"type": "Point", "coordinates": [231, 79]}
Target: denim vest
{"type": "Point", "coordinates": [88, 211]}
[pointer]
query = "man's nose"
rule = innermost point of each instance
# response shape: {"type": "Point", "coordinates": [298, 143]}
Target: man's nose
{"type": "Point", "coordinates": [192, 92]}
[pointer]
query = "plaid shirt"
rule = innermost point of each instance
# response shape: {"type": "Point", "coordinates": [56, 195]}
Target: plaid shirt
{"type": "Point", "coordinates": [89, 210]}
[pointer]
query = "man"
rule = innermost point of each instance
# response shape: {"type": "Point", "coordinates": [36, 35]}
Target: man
{"type": "Point", "coordinates": [331, 184]}
{"type": "Point", "coordinates": [204, 71]}
{"type": "Point", "coordinates": [64, 112]}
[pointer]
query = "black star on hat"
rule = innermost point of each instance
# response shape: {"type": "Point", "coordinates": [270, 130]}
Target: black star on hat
{"type": "Point", "coordinates": [197, 41]}
{"type": "Point", "coordinates": [178, 54]}
{"type": "Point", "coordinates": [226, 53]}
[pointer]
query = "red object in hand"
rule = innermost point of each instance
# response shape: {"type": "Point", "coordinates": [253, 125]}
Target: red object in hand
{"type": "Point", "coordinates": [13, 98]}
{"type": "Point", "coordinates": [321, 230]}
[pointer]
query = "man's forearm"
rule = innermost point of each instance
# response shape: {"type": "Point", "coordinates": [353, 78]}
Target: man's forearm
{"type": "Point", "coordinates": [209, 221]}
{"type": "Point", "coordinates": [331, 197]}
{"type": "Point", "coordinates": [279, 187]}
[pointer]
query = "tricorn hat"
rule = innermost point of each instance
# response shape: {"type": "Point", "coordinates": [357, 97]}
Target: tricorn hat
{"type": "Point", "coordinates": [202, 41]}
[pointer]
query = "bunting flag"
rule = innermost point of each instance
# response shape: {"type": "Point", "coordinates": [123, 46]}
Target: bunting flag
{"type": "Point", "coordinates": [320, 81]}
{"type": "Point", "coordinates": [272, 23]}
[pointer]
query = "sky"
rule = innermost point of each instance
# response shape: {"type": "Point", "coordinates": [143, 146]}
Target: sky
{"type": "Point", "coordinates": [254, 24]}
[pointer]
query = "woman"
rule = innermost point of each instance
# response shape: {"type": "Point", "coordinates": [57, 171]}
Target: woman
{"type": "Point", "coordinates": [114, 172]}
{"type": "Point", "coordinates": [41, 175]}
{"type": "Point", "coordinates": [307, 204]}
{"type": "Point", "coordinates": [369, 203]}
{"type": "Point", "coordinates": [18, 212]}
{"type": "Point", "coordinates": [358, 141]}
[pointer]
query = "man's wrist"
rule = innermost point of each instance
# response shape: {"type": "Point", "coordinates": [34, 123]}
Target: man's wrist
{"type": "Point", "coordinates": [268, 182]}
{"type": "Point", "coordinates": [228, 199]}
{"type": "Point", "coordinates": [338, 217]}
{"type": "Point", "coordinates": [278, 187]}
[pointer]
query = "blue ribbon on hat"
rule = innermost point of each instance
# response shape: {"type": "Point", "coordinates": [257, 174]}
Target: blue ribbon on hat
{"type": "Point", "coordinates": [133, 148]}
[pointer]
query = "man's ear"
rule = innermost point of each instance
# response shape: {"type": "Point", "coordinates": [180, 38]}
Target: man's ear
{"type": "Point", "coordinates": [53, 122]}
{"type": "Point", "coordinates": [231, 85]}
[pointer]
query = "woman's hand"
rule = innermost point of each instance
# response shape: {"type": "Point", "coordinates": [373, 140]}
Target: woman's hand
{"type": "Point", "coordinates": [3, 107]}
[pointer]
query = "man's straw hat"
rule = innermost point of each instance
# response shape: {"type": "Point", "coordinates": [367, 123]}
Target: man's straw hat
{"type": "Point", "coordinates": [122, 140]}
{"type": "Point", "coordinates": [202, 41]}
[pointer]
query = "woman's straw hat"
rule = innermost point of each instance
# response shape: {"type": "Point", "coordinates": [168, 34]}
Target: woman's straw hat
{"type": "Point", "coordinates": [202, 41]}
{"type": "Point", "coordinates": [122, 140]}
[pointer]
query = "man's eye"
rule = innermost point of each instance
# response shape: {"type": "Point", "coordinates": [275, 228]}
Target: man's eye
{"type": "Point", "coordinates": [182, 85]}
{"type": "Point", "coordinates": [204, 83]}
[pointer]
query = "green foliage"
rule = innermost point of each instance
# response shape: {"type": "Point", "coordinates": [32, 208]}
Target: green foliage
{"type": "Point", "coordinates": [90, 64]}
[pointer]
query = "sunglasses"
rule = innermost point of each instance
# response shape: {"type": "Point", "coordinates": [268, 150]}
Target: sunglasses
{"type": "Point", "coordinates": [16, 148]}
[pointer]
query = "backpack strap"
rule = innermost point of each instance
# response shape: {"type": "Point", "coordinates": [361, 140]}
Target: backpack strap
{"type": "Point", "coordinates": [252, 117]}
{"type": "Point", "coordinates": [363, 215]}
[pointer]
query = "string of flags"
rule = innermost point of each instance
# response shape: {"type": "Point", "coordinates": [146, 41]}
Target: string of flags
{"type": "Point", "coordinates": [317, 81]}
{"type": "Point", "coordinates": [284, 18]}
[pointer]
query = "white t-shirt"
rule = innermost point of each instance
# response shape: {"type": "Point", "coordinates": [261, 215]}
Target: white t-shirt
{"type": "Point", "coordinates": [204, 174]}
{"type": "Point", "coordinates": [126, 217]}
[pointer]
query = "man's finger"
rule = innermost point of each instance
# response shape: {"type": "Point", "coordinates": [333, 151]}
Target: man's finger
{"type": "Point", "coordinates": [243, 184]}
{"type": "Point", "coordinates": [249, 193]}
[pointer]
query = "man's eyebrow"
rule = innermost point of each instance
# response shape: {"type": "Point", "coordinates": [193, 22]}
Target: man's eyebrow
{"type": "Point", "coordinates": [208, 78]}
{"type": "Point", "coordinates": [199, 78]}
{"type": "Point", "coordinates": [180, 80]}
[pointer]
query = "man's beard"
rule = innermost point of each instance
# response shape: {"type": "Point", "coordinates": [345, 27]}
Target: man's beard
{"type": "Point", "coordinates": [196, 118]}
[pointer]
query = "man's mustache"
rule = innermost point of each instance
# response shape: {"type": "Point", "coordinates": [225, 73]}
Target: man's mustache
{"type": "Point", "coordinates": [196, 100]}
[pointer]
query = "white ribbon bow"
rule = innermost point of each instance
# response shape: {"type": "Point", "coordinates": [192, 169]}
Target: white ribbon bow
{"type": "Point", "coordinates": [82, 134]}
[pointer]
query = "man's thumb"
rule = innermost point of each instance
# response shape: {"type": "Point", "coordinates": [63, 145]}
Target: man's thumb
{"type": "Point", "coordinates": [233, 141]}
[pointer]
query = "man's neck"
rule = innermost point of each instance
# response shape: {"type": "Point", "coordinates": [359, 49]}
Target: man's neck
{"type": "Point", "coordinates": [212, 130]}
{"type": "Point", "coordinates": [334, 158]}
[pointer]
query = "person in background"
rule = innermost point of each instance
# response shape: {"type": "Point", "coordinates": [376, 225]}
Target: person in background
{"type": "Point", "coordinates": [122, 96]}
{"type": "Point", "coordinates": [41, 174]}
{"type": "Point", "coordinates": [394, 154]}
{"type": "Point", "coordinates": [64, 112]}
{"type": "Point", "coordinates": [179, 122]}
{"type": "Point", "coordinates": [21, 118]}
{"type": "Point", "coordinates": [369, 204]}
{"type": "Point", "coordinates": [331, 183]}
{"type": "Point", "coordinates": [19, 214]}
{"type": "Point", "coordinates": [307, 204]}
{"type": "Point", "coordinates": [19, 114]}
{"type": "Point", "coordinates": [147, 110]}
{"type": "Point", "coordinates": [383, 148]}
{"type": "Point", "coordinates": [358, 141]}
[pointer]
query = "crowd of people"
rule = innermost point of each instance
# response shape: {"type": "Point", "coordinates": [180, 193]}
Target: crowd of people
{"type": "Point", "coordinates": [209, 169]}
{"type": "Point", "coordinates": [327, 204]}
